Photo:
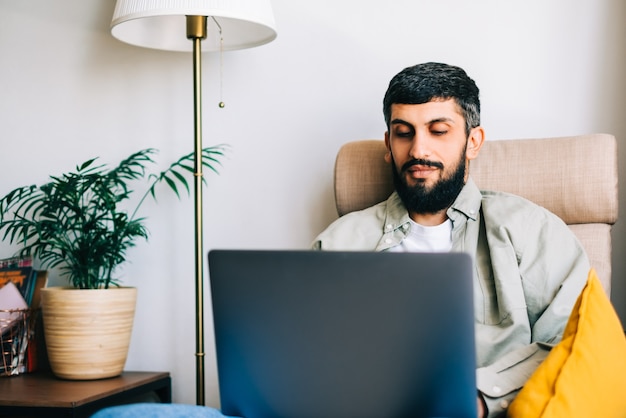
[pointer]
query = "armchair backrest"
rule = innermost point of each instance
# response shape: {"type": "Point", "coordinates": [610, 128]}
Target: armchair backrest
{"type": "Point", "coordinates": [574, 177]}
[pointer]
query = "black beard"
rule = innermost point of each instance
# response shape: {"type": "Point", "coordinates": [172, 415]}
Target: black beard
{"type": "Point", "coordinates": [419, 199]}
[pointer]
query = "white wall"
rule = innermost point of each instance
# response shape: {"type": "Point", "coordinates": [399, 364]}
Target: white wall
{"type": "Point", "coordinates": [69, 91]}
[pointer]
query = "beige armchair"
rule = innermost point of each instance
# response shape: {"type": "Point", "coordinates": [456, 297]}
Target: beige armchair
{"type": "Point", "coordinates": [575, 177]}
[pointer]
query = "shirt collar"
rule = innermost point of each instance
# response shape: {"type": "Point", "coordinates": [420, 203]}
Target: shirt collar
{"type": "Point", "coordinates": [467, 202]}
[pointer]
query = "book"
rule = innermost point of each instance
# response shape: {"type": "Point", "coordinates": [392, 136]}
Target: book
{"type": "Point", "coordinates": [22, 278]}
{"type": "Point", "coordinates": [13, 333]}
{"type": "Point", "coordinates": [19, 271]}
{"type": "Point", "coordinates": [13, 262]}
{"type": "Point", "coordinates": [40, 281]}
{"type": "Point", "coordinates": [10, 299]}
{"type": "Point", "coordinates": [36, 358]}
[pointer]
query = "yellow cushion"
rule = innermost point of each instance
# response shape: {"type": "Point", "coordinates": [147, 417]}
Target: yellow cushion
{"type": "Point", "coordinates": [585, 374]}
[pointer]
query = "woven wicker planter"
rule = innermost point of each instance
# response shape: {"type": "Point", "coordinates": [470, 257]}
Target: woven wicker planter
{"type": "Point", "coordinates": [88, 332]}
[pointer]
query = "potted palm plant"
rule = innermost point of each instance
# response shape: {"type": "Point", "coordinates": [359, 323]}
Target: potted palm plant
{"type": "Point", "coordinates": [79, 222]}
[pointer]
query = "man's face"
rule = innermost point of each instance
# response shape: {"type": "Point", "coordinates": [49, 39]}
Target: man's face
{"type": "Point", "coordinates": [428, 151]}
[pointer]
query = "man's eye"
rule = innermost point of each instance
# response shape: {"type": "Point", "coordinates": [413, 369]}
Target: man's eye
{"type": "Point", "coordinates": [438, 133]}
{"type": "Point", "coordinates": [403, 134]}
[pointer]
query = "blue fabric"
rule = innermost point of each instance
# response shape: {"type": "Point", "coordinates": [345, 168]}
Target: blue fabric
{"type": "Point", "coordinates": [156, 410]}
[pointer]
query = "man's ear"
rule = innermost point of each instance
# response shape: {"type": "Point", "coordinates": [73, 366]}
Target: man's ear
{"type": "Point", "coordinates": [475, 142]}
{"type": "Point", "coordinates": [388, 153]}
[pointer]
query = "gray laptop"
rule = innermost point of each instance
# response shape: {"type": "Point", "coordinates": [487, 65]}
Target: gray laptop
{"type": "Point", "coordinates": [343, 334]}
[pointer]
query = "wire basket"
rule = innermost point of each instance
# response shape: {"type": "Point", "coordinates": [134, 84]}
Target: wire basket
{"type": "Point", "coordinates": [17, 328]}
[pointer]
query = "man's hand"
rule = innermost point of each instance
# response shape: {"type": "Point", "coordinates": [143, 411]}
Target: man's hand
{"type": "Point", "coordinates": [481, 405]}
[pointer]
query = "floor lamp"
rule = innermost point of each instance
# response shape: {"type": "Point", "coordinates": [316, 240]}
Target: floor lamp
{"type": "Point", "coordinates": [162, 24]}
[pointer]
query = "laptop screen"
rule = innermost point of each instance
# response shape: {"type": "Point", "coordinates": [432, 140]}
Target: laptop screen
{"type": "Point", "coordinates": [343, 334]}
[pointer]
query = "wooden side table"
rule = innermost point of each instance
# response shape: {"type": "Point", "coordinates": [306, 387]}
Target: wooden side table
{"type": "Point", "coordinates": [40, 394]}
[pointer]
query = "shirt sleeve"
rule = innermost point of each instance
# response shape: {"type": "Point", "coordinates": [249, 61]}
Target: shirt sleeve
{"type": "Point", "coordinates": [501, 381]}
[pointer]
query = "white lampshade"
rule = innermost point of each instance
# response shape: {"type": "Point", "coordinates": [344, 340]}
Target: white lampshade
{"type": "Point", "coordinates": [161, 24]}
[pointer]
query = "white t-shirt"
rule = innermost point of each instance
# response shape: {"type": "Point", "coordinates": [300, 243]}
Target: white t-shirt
{"type": "Point", "coordinates": [427, 238]}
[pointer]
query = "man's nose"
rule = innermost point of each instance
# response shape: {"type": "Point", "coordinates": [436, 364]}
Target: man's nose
{"type": "Point", "coordinates": [420, 147]}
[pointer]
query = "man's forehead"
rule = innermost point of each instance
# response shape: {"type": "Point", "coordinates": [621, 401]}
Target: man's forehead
{"type": "Point", "coordinates": [436, 108]}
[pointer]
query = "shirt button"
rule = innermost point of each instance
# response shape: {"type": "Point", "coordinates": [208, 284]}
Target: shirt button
{"type": "Point", "coordinates": [405, 227]}
{"type": "Point", "coordinates": [388, 241]}
{"type": "Point", "coordinates": [497, 389]}
{"type": "Point", "coordinates": [389, 227]}
{"type": "Point", "coordinates": [504, 404]}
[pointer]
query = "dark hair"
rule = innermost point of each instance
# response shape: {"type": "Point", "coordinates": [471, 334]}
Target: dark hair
{"type": "Point", "coordinates": [423, 83]}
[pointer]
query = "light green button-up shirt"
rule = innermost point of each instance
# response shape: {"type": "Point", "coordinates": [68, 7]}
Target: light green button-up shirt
{"type": "Point", "coordinates": [529, 271]}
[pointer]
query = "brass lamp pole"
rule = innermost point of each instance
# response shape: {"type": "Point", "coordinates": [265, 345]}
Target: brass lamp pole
{"type": "Point", "coordinates": [197, 31]}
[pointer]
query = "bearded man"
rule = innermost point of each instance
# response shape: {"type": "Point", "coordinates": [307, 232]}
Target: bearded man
{"type": "Point", "coordinates": [528, 266]}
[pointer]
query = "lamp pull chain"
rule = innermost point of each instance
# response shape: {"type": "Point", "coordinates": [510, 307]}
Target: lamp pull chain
{"type": "Point", "coordinates": [221, 104]}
